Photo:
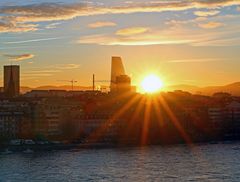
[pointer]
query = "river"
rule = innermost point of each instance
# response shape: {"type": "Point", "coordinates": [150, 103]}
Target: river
{"type": "Point", "coordinates": [202, 162]}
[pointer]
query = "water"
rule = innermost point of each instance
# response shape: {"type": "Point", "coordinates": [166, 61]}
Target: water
{"type": "Point", "coordinates": [207, 162]}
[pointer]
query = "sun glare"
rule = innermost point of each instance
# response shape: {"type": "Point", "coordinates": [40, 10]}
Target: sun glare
{"type": "Point", "coordinates": [151, 84]}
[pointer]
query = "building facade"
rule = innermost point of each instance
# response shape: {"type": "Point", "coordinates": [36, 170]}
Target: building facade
{"type": "Point", "coordinates": [12, 80]}
{"type": "Point", "coordinates": [117, 69]}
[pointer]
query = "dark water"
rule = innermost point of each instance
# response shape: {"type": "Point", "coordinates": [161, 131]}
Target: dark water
{"type": "Point", "coordinates": [208, 162]}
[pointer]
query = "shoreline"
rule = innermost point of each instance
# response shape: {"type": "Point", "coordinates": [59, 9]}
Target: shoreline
{"type": "Point", "coordinates": [59, 147]}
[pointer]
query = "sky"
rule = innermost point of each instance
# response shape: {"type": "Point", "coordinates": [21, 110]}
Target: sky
{"type": "Point", "coordinates": [192, 42]}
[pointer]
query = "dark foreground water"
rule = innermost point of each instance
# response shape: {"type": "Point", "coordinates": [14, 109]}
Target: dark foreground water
{"type": "Point", "coordinates": [207, 162]}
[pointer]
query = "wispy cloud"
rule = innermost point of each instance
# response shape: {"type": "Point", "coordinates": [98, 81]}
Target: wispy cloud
{"type": "Point", "coordinates": [20, 57]}
{"type": "Point", "coordinates": [66, 66]}
{"type": "Point", "coordinates": [185, 33]}
{"type": "Point", "coordinates": [193, 60]}
{"type": "Point", "coordinates": [206, 13]}
{"type": "Point", "coordinates": [233, 41]}
{"type": "Point", "coordinates": [132, 31]}
{"type": "Point", "coordinates": [151, 38]}
{"type": "Point", "coordinates": [211, 25]}
{"type": "Point", "coordinates": [52, 25]}
{"type": "Point", "coordinates": [44, 71]}
{"type": "Point", "coordinates": [11, 26]}
{"type": "Point", "coordinates": [22, 18]}
{"type": "Point", "coordinates": [28, 15]}
{"type": "Point", "coordinates": [35, 75]}
{"type": "Point", "coordinates": [34, 40]}
{"type": "Point", "coordinates": [49, 71]}
{"type": "Point", "coordinates": [100, 24]}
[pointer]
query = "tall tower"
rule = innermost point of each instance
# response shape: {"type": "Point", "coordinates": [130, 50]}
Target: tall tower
{"type": "Point", "coordinates": [11, 80]}
{"type": "Point", "coordinates": [117, 69]}
{"type": "Point", "coordinates": [123, 84]}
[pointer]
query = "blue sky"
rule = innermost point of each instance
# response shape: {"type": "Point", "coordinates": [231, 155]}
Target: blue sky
{"type": "Point", "coordinates": [185, 42]}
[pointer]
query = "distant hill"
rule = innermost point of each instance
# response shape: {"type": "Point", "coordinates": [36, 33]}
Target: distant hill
{"type": "Point", "coordinates": [50, 87]}
{"type": "Point", "coordinates": [233, 88]}
{"type": "Point", "coordinates": [25, 89]}
{"type": "Point", "coordinates": [189, 88]}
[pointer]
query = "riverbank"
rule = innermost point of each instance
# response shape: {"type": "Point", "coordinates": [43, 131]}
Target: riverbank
{"type": "Point", "coordinates": [50, 147]}
{"type": "Point", "coordinates": [53, 147]}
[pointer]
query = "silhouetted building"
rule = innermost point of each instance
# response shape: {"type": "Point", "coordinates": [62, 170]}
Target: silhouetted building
{"type": "Point", "coordinates": [117, 69]}
{"type": "Point", "coordinates": [12, 116]}
{"type": "Point", "coordinates": [232, 112]}
{"type": "Point", "coordinates": [11, 80]}
{"type": "Point", "coordinates": [10, 123]}
{"type": "Point", "coordinates": [61, 93]}
{"type": "Point", "coordinates": [48, 114]}
{"type": "Point", "coordinates": [123, 83]}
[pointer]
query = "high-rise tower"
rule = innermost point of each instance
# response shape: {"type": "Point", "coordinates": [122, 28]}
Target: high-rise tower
{"type": "Point", "coordinates": [11, 80]}
{"type": "Point", "coordinates": [117, 69]}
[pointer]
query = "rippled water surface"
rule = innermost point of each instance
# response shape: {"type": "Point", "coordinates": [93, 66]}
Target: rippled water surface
{"type": "Point", "coordinates": [208, 162]}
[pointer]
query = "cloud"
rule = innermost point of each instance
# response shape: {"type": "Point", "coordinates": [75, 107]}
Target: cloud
{"type": "Point", "coordinates": [20, 57]}
{"type": "Point", "coordinates": [206, 13]}
{"type": "Point", "coordinates": [167, 5]}
{"type": "Point", "coordinates": [35, 75]}
{"type": "Point", "coordinates": [185, 33]}
{"type": "Point", "coordinates": [151, 37]}
{"type": "Point", "coordinates": [132, 31]}
{"type": "Point", "coordinates": [49, 71]}
{"type": "Point", "coordinates": [193, 60]}
{"type": "Point", "coordinates": [216, 3]}
{"type": "Point", "coordinates": [44, 12]}
{"type": "Point", "coordinates": [16, 27]}
{"type": "Point", "coordinates": [66, 66]}
{"type": "Point", "coordinates": [44, 71]}
{"type": "Point", "coordinates": [25, 17]}
{"type": "Point", "coordinates": [100, 39]}
{"type": "Point", "coordinates": [211, 25]}
{"type": "Point", "coordinates": [220, 42]}
{"type": "Point", "coordinates": [34, 40]}
{"type": "Point", "coordinates": [100, 24]}
{"type": "Point", "coordinates": [52, 25]}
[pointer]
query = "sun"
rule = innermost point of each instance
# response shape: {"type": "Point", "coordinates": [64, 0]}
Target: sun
{"type": "Point", "coordinates": [151, 84]}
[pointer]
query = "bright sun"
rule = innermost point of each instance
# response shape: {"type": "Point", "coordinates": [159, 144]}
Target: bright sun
{"type": "Point", "coordinates": [151, 84]}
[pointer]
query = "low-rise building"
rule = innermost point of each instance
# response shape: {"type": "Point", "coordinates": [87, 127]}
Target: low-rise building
{"type": "Point", "coordinates": [48, 115]}
{"type": "Point", "coordinates": [10, 124]}
{"type": "Point", "coordinates": [101, 127]}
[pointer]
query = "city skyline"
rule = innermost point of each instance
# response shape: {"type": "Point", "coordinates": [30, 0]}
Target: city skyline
{"type": "Point", "coordinates": [119, 90]}
{"type": "Point", "coordinates": [185, 42]}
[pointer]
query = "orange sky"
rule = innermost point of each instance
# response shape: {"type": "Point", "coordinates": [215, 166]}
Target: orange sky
{"type": "Point", "coordinates": [194, 42]}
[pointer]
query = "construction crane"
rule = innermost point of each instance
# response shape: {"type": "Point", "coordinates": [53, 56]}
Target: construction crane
{"type": "Point", "coordinates": [70, 81]}
{"type": "Point", "coordinates": [99, 81]}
